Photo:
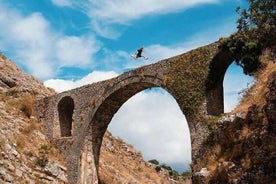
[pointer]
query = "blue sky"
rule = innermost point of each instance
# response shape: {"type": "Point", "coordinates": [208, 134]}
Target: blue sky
{"type": "Point", "coordinates": [69, 43]}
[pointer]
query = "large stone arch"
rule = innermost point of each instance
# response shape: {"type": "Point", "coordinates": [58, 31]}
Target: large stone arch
{"type": "Point", "coordinates": [114, 98]}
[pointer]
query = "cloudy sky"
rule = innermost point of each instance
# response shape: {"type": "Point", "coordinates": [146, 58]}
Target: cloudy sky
{"type": "Point", "coordinates": [69, 43]}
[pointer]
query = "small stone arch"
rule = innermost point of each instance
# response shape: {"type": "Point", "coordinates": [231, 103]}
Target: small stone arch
{"type": "Point", "coordinates": [214, 82]}
{"type": "Point", "coordinates": [65, 114]}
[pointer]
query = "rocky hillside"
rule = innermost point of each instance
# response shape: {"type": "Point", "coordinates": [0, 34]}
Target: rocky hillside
{"type": "Point", "coordinates": [241, 147]}
{"type": "Point", "coordinates": [27, 157]}
{"type": "Point", "coordinates": [121, 163]}
{"type": "Point", "coordinates": [25, 154]}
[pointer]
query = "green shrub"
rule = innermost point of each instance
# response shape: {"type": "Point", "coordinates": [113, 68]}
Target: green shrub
{"type": "Point", "coordinates": [166, 167]}
{"type": "Point", "coordinates": [42, 161]}
{"type": "Point", "coordinates": [154, 161]}
{"type": "Point", "coordinates": [158, 168]}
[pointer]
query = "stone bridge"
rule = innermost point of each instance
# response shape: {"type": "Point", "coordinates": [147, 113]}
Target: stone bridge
{"type": "Point", "coordinates": [76, 120]}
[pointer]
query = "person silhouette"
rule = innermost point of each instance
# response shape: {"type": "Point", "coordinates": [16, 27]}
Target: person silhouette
{"type": "Point", "coordinates": [138, 54]}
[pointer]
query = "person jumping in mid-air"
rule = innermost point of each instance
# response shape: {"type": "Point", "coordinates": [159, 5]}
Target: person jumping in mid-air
{"type": "Point", "coordinates": [138, 54]}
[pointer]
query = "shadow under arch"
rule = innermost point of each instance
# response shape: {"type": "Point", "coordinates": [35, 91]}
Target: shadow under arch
{"type": "Point", "coordinates": [214, 83]}
{"type": "Point", "coordinates": [111, 104]}
{"type": "Point", "coordinates": [65, 114]}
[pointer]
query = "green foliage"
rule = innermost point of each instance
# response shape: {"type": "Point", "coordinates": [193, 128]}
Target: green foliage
{"type": "Point", "coordinates": [212, 121]}
{"type": "Point", "coordinates": [245, 51]}
{"type": "Point", "coordinates": [174, 174]}
{"type": "Point", "coordinates": [186, 78]}
{"type": "Point", "coordinates": [187, 173]}
{"type": "Point", "coordinates": [166, 167]}
{"type": "Point", "coordinates": [154, 161]}
{"type": "Point", "coordinates": [44, 148]}
{"type": "Point", "coordinates": [158, 168]}
{"type": "Point", "coordinates": [42, 161]}
{"type": "Point", "coordinates": [256, 32]}
{"type": "Point", "coordinates": [260, 20]}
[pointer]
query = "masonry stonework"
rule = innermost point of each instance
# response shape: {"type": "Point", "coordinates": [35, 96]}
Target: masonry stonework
{"type": "Point", "coordinates": [76, 120]}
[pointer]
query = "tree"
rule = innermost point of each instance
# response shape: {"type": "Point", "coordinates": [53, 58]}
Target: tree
{"type": "Point", "coordinates": [258, 22]}
{"type": "Point", "coordinates": [256, 32]}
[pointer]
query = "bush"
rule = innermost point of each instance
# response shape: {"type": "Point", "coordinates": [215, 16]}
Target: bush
{"type": "Point", "coordinates": [27, 106]}
{"type": "Point", "coordinates": [158, 168]}
{"type": "Point", "coordinates": [154, 161]}
{"type": "Point", "coordinates": [166, 167]}
{"type": "Point", "coordinates": [41, 162]}
{"type": "Point", "coordinates": [187, 173]}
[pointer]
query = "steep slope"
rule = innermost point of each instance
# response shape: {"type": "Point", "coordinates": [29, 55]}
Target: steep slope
{"type": "Point", "coordinates": [242, 145]}
{"type": "Point", "coordinates": [121, 163]}
{"type": "Point", "coordinates": [27, 157]}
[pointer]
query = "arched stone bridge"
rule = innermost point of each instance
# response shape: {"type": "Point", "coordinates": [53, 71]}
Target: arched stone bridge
{"type": "Point", "coordinates": [76, 120]}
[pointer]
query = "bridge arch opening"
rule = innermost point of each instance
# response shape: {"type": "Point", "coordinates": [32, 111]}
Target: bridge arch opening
{"type": "Point", "coordinates": [153, 123]}
{"type": "Point", "coordinates": [65, 114]}
{"type": "Point", "coordinates": [235, 83]}
{"type": "Point", "coordinates": [223, 66]}
{"type": "Point", "coordinates": [111, 104]}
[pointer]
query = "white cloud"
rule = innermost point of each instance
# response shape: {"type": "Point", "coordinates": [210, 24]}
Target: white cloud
{"type": "Point", "coordinates": [76, 51]}
{"type": "Point", "coordinates": [105, 14]}
{"type": "Point", "coordinates": [122, 11]}
{"type": "Point", "coordinates": [33, 28]}
{"type": "Point", "coordinates": [62, 2]}
{"type": "Point", "coordinates": [153, 122]}
{"type": "Point", "coordinates": [41, 49]}
{"type": "Point", "coordinates": [63, 85]}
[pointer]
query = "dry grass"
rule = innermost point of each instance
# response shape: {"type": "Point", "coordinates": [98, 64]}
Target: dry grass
{"type": "Point", "coordinates": [22, 105]}
{"type": "Point", "coordinates": [27, 105]}
{"type": "Point", "coordinates": [2, 145]}
{"type": "Point", "coordinates": [256, 94]}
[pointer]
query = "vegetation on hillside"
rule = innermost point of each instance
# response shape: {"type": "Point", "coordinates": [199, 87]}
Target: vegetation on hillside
{"type": "Point", "coordinates": [256, 32]}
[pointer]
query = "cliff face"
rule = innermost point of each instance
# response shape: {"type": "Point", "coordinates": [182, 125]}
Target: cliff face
{"type": "Point", "coordinates": [242, 145]}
